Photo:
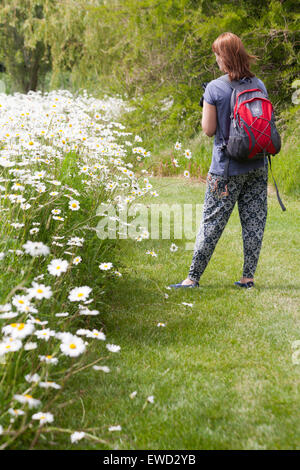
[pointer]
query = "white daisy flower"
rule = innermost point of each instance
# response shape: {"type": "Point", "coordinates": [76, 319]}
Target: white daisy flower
{"type": "Point", "coordinates": [145, 234]}
{"type": "Point", "coordinates": [115, 428]}
{"type": "Point", "coordinates": [103, 368]}
{"type": "Point", "coordinates": [186, 174]}
{"type": "Point", "coordinates": [37, 321]}
{"type": "Point", "coordinates": [36, 248]}
{"type": "Point", "coordinates": [15, 412]}
{"type": "Point", "coordinates": [32, 378]}
{"type": "Point", "coordinates": [84, 169]}
{"type": "Point", "coordinates": [72, 347]}
{"type": "Point", "coordinates": [57, 267]}
{"type": "Point", "coordinates": [150, 399]}
{"type": "Point", "coordinates": [8, 315]}
{"type": "Point", "coordinates": [44, 334]}
{"type": "Point", "coordinates": [188, 153]}
{"type": "Point", "coordinates": [113, 347]}
{"type": "Point", "coordinates": [29, 346]}
{"type": "Point", "coordinates": [64, 336]}
{"type": "Point", "coordinates": [96, 334]}
{"type": "Point", "coordinates": [77, 436]}
{"type": "Point", "coordinates": [75, 241]}
{"type": "Point", "coordinates": [79, 294]}
{"type": "Point", "coordinates": [5, 307]}
{"type": "Point", "coordinates": [74, 205]}
{"type": "Point", "coordinates": [9, 345]}
{"type": "Point", "coordinates": [152, 253]}
{"type": "Point", "coordinates": [34, 230]}
{"type": "Point", "coordinates": [49, 384]}
{"type": "Point", "coordinates": [49, 359]}
{"type": "Point", "coordinates": [43, 417]}
{"type": "Point", "coordinates": [39, 291]}
{"type": "Point", "coordinates": [18, 330]}
{"type": "Point", "coordinates": [82, 331]}
{"type": "Point", "coordinates": [77, 260]}
{"type": "Point", "coordinates": [86, 311]}
{"type": "Point", "coordinates": [17, 225]}
{"type": "Point", "coordinates": [161, 324]}
{"type": "Point", "coordinates": [27, 399]}
{"type": "Point", "coordinates": [62, 314]}
{"type": "Point", "coordinates": [105, 266]}
{"type": "Point", "coordinates": [22, 303]}
{"type": "Point", "coordinates": [133, 394]}
{"type": "Point", "coordinates": [41, 276]}
{"type": "Point", "coordinates": [173, 247]}
{"type": "Point", "coordinates": [177, 145]}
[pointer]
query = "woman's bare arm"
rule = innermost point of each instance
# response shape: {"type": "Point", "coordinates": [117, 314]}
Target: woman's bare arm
{"type": "Point", "coordinates": [209, 119]}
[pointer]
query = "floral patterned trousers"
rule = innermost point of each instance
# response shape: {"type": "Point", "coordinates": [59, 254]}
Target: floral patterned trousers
{"type": "Point", "coordinates": [250, 192]}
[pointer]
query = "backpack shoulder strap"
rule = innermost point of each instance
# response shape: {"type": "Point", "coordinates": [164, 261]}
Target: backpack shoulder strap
{"type": "Point", "coordinates": [225, 79]}
{"type": "Point", "coordinates": [241, 84]}
{"type": "Point", "coordinates": [234, 85]}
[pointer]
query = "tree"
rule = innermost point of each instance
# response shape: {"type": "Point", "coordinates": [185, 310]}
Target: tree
{"type": "Point", "coordinates": [37, 36]}
{"type": "Point", "coordinates": [23, 51]}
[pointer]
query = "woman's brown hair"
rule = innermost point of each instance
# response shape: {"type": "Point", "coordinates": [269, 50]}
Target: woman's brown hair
{"type": "Point", "coordinates": [235, 58]}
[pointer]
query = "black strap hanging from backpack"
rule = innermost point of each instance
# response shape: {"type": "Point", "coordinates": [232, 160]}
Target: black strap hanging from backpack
{"type": "Point", "coordinates": [277, 192]}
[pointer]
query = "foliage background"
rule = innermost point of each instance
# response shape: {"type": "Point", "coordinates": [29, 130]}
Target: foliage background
{"type": "Point", "coordinates": [155, 53]}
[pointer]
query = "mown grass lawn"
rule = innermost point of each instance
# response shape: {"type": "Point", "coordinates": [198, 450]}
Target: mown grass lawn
{"type": "Point", "coordinates": [221, 371]}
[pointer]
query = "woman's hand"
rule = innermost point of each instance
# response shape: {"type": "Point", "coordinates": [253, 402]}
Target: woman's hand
{"type": "Point", "coordinates": [209, 119]}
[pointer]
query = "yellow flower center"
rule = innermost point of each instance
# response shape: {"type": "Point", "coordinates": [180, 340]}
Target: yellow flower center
{"type": "Point", "coordinates": [40, 291]}
{"type": "Point", "coordinates": [28, 396]}
{"type": "Point", "coordinates": [72, 346]}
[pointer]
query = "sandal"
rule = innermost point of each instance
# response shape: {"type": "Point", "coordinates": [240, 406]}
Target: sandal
{"type": "Point", "coordinates": [247, 285]}
{"type": "Point", "coordinates": [195, 284]}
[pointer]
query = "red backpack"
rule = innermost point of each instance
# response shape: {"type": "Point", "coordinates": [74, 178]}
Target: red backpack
{"type": "Point", "coordinates": [252, 133]}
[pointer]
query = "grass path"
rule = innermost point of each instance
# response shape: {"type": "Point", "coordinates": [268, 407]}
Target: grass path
{"type": "Point", "coordinates": [221, 371]}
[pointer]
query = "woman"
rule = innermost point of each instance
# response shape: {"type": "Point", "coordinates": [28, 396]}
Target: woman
{"type": "Point", "coordinates": [229, 181]}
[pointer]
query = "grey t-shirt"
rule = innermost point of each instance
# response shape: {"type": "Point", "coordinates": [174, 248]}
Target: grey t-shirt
{"type": "Point", "coordinates": [218, 93]}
